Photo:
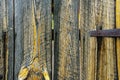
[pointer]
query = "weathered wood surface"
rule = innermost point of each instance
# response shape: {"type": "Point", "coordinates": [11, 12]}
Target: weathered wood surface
{"type": "Point", "coordinates": [118, 39]}
{"type": "Point", "coordinates": [6, 38]}
{"type": "Point", "coordinates": [2, 24]}
{"type": "Point", "coordinates": [66, 53]}
{"type": "Point", "coordinates": [10, 41]}
{"type": "Point", "coordinates": [43, 17]}
{"type": "Point", "coordinates": [28, 47]}
{"type": "Point", "coordinates": [106, 47]}
{"type": "Point", "coordinates": [19, 24]}
{"type": "Point", "coordinates": [33, 39]}
{"type": "Point", "coordinates": [88, 45]}
{"type": "Point", "coordinates": [97, 54]}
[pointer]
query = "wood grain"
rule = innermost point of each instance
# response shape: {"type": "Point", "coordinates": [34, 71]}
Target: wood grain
{"type": "Point", "coordinates": [107, 47]}
{"type": "Point", "coordinates": [43, 17]}
{"type": "Point", "coordinates": [88, 45]}
{"type": "Point", "coordinates": [66, 66]}
{"type": "Point", "coordinates": [2, 26]}
{"type": "Point", "coordinates": [19, 39]}
{"type": "Point", "coordinates": [7, 39]}
{"type": "Point", "coordinates": [118, 40]}
{"type": "Point", "coordinates": [33, 39]}
{"type": "Point", "coordinates": [10, 43]}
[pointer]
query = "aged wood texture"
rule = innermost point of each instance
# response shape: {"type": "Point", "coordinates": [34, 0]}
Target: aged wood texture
{"type": "Point", "coordinates": [118, 39]}
{"type": "Point", "coordinates": [33, 39]}
{"type": "Point", "coordinates": [43, 19]}
{"type": "Point", "coordinates": [7, 38]}
{"type": "Point", "coordinates": [106, 46]}
{"type": "Point", "coordinates": [19, 31]}
{"type": "Point", "coordinates": [66, 66]}
{"type": "Point", "coordinates": [10, 41]}
{"type": "Point", "coordinates": [2, 26]}
{"type": "Point", "coordinates": [30, 64]}
{"type": "Point", "coordinates": [88, 50]}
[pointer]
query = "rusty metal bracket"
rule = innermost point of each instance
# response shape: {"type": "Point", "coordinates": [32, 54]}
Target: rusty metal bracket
{"type": "Point", "coordinates": [105, 33]}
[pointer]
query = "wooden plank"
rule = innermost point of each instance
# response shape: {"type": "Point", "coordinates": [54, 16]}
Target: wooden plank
{"type": "Point", "coordinates": [66, 45]}
{"type": "Point", "coordinates": [88, 45]}
{"type": "Point", "coordinates": [19, 16]}
{"type": "Point", "coordinates": [33, 45]}
{"type": "Point", "coordinates": [91, 42]}
{"type": "Point", "coordinates": [6, 24]}
{"type": "Point", "coordinates": [10, 44]}
{"type": "Point", "coordinates": [118, 39]}
{"type": "Point", "coordinates": [106, 50]}
{"type": "Point", "coordinates": [2, 25]}
{"type": "Point", "coordinates": [43, 17]}
{"type": "Point", "coordinates": [26, 41]}
{"type": "Point", "coordinates": [82, 22]}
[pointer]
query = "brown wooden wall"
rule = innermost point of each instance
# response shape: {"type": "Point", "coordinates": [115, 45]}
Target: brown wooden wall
{"type": "Point", "coordinates": [26, 49]}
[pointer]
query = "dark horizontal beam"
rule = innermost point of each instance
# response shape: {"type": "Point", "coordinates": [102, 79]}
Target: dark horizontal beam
{"type": "Point", "coordinates": [105, 33]}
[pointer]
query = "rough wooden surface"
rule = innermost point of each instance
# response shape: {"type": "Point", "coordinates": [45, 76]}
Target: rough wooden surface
{"type": "Point", "coordinates": [106, 49]}
{"type": "Point", "coordinates": [118, 39]}
{"type": "Point", "coordinates": [97, 54]}
{"type": "Point", "coordinates": [33, 39]}
{"type": "Point", "coordinates": [6, 37]}
{"type": "Point", "coordinates": [28, 27]}
{"type": "Point", "coordinates": [66, 53]}
{"type": "Point", "coordinates": [88, 45]}
{"type": "Point", "coordinates": [19, 24]}
{"type": "Point", "coordinates": [10, 41]}
{"type": "Point", "coordinates": [43, 17]}
{"type": "Point", "coordinates": [2, 24]}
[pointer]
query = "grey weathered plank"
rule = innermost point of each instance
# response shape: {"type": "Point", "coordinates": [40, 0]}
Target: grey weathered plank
{"type": "Point", "coordinates": [6, 24]}
{"type": "Point", "coordinates": [88, 45]}
{"type": "Point", "coordinates": [10, 36]}
{"type": "Point", "coordinates": [2, 24]}
{"type": "Point", "coordinates": [33, 38]}
{"type": "Point", "coordinates": [19, 24]}
{"type": "Point", "coordinates": [25, 41]}
{"type": "Point", "coordinates": [66, 66]}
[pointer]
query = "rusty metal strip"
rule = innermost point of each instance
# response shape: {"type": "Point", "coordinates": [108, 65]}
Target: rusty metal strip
{"type": "Point", "coordinates": [105, 33]}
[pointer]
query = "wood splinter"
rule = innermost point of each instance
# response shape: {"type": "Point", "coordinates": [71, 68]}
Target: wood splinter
{"type": "Point", "coordinates": [33, 72]}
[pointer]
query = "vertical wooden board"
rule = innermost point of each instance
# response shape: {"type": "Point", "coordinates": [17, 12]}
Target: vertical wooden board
{"type": "Point", "coordinates": [107, 51]}
{"type": "Point", "coordinates": [7, 49]}
{"type": "Point", "coordinates": [26, 41]}
{"type": "Point", "coordinates": [118, 40]}
{"type": "Point", "coordinates": [66, 66]}
{"type": "Point", "coordinates": [82, 35]}
{"type": "Point", "coordinates": [32, 43]}
{"type": "Point", "coordinates": [2, 24]}
{"type": "Point", "coordinates": [92, 42]}
{"type": "Point", "coordinates": [19, 31]}
{"type": "Point", "coordinates": [10, 41]}
{"type": "Point", "coordinates": [88, 45]}
{"type": "Point", "coordinates": [43, 17]}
